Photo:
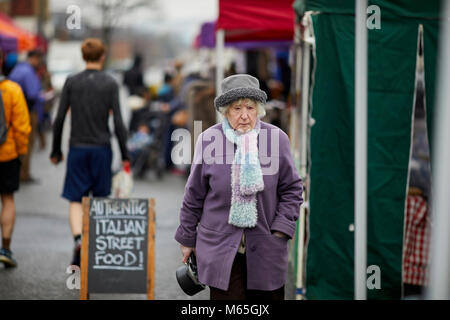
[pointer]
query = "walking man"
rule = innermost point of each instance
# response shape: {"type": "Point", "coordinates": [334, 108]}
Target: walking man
{"type": "Point", "coordinates": [14, 131]}
{"type": "Point", "coordinates": [25, 74]}
{"type": "Point", "coordinates": [91, 95]}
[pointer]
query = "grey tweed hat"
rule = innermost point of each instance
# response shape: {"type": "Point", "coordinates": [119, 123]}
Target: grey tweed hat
{"type": "Point", "coordinates": [237, 87]}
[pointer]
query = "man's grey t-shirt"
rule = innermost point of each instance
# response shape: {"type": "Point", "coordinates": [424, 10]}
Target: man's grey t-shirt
{"type": "Point", "coordinates": [90, 95]}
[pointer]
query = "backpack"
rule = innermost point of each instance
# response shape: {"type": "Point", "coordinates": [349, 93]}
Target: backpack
{"type": "Point", "coordinates": [3, 126]}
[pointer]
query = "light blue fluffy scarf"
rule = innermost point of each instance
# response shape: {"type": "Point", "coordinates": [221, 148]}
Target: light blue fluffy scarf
{"type": "Point", "coordinates": [246, 176]}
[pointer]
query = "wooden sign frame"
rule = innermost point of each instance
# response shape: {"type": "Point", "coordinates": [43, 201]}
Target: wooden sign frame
{"type": "Point", "coordinates": [84, 294]}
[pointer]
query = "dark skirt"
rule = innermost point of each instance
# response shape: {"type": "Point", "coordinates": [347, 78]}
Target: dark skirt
{"type": "Point", "coordinates": [237, 289]}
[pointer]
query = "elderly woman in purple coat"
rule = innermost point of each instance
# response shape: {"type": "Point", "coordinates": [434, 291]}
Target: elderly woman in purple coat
{"type": "Point", "coordinates": [242, 199]}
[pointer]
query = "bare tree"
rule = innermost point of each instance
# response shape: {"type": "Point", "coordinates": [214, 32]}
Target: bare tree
{"type": "Point", "coordinates": [112, 11]}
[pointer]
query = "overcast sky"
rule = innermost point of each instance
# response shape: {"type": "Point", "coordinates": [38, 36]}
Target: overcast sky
{"type": "Point", "coordinates": [181, 16]}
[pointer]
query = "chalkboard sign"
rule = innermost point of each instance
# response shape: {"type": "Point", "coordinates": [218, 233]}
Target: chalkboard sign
{"type": "Point", "coordinates": [118, 246]}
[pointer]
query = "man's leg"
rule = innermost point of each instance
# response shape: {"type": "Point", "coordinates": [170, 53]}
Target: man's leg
{"type": "Point", "coordinates": [25, 168]}
{"type": "Point", "coordinates": [7, 219]}
{"type": "Point", "coordinates": [76, 218]}
{"type": "Point", "coordinates": [76, 225]}
{"type": "Point", "coordinates": [76, 185]}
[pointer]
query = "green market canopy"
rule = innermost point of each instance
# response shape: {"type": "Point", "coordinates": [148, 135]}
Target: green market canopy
{"type": "Point", "coordinates": [392, 53]}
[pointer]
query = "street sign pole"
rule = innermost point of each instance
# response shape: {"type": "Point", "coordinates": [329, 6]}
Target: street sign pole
{"type": "Point", "coordinates": [220, 44]}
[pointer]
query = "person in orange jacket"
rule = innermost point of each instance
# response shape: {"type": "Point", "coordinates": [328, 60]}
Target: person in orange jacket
{"type": "Point", "coordinates": [17, 122]}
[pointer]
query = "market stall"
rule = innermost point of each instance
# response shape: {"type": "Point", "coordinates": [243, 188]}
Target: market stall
{"type": "Point", "coordinates": [25, 40]}
{"type": "Point", "coordinates": [328, 35]}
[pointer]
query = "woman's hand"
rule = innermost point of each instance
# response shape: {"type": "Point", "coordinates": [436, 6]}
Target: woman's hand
{"type": "Point", "coordinates": [280, 234]}
{"type": "Point", "coordinates": [186, 252]}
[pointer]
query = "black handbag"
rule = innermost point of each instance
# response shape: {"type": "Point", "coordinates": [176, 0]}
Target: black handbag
{"type": "Point", "coordinates": [187, 277]}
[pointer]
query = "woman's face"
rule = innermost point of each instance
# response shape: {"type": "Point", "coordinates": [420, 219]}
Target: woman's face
{"type": "Point", "coordinates": [242, 115]}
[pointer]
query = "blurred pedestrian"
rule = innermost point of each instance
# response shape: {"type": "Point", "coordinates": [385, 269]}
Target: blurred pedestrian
{"type": "Point", "coordinates": [139, 106]}
{"type": "Point", "coordinates": [133, 78]}
{"type": "Point", "coordinates": [25, 74]}
{"type": "Point", "coordinates": [14, 131]}
{"type": "Point", "coordinates": [90, 95]}
{"type": "Point", "coordinates": [200, 106]}
{"type": "Point", "coordinates": [236, 219]}
{"type": "Point", "coordinates": [178, 114]}
{"type": "Point", "coordinates": [10, 62]}
{"type": "Point", "coordinates": [44, 119]}
{"type": "Point", "coordinates": [165, 92]}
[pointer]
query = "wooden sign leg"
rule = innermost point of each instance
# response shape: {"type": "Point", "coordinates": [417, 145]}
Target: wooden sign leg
{"type": "Point", "coordinates": [84, 295]}
{"type": "Point", "coordinates": [151, 250]}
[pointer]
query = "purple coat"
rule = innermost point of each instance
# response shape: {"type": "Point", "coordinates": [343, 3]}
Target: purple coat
{"type": "Point", "coordinates": [206, 205]}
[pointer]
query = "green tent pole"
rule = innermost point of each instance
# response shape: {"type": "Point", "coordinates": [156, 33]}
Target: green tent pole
{"type": "Point", "coordinates": [360, 150]}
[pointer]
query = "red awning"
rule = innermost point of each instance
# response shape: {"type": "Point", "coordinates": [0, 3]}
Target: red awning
{"type": "Point", "coordinates": [245, 20]}
{"type": "Point", "coordinates": [25, 40]}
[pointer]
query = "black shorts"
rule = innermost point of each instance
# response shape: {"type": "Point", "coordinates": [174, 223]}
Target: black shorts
{"type": "Point", "coordinates": [9, 176]}
{"type": "Point", "coordinates": [88, 169]}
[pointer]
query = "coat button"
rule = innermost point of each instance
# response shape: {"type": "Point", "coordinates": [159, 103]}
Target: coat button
{"type": "Point", "coordinates": [253, 248]}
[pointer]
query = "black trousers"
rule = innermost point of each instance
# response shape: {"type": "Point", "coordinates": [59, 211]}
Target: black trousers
{"type": "Point", "coordinates": [412, 290]}
{"type": "Point", "coordinates": [237, 289]}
